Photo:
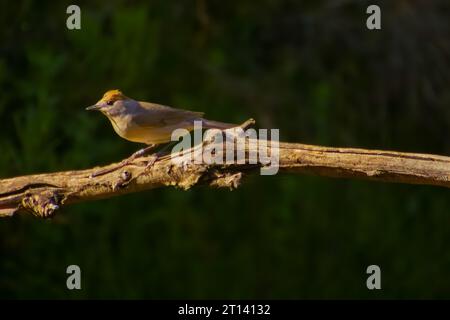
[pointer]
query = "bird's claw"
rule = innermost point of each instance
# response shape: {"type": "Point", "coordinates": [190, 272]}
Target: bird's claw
{"type": "Point", "coordinates": [151, 162]}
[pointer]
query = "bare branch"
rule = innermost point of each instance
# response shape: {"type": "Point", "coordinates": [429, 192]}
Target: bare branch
{"type": "Point", "coordinates": [42, 194]}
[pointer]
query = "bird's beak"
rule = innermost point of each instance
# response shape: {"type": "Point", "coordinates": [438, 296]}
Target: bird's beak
{"type": "Point", "coordinates": [94, 107]}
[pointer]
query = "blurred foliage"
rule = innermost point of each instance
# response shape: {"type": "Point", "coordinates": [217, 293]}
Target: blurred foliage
{"type": "Point", "coordinates": [310, 68]}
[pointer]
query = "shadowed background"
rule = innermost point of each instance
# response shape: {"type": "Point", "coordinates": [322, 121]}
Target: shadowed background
{"type": "Point", "coordinates": [310, 68]}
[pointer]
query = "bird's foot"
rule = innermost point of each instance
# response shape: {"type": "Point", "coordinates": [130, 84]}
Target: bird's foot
{"type": "Point", "coordinates": [155, 157]}
{"type": "Point", "coordinates": [125, 162]}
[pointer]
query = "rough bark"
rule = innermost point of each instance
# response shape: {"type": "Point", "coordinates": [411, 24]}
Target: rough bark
{"type": "Point", "coordinates": [43, 194]}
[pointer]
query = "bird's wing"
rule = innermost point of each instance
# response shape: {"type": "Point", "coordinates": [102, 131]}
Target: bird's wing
{"type": "Point", "coordinates": [156, 115]}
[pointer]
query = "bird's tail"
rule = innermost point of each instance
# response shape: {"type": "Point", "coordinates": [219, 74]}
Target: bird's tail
{"type": "Point", "coordinates": [211, 124]}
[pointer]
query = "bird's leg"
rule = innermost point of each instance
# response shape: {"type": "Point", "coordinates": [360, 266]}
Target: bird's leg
{"type": "Point", "coordinates": [142, 152]}
{"type": "Point", "coordinates": [125, 162]}
{"type": "Point", "coordinates": [155, 157]}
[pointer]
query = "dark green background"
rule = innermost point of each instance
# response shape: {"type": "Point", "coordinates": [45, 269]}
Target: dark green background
{"type": "Point", "coordinates": [312, 69]}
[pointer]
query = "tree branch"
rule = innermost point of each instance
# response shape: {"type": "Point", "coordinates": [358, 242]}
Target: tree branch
{"type": "Point", "coordinates": [42, 194]}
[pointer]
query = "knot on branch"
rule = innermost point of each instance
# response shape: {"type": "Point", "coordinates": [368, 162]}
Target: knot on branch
{"type": "Point", "coordinates": [123, 180]}
{"type": "Point", "coordinates": [42, 204]}
{"type": "Point", "coordinates": [186, 175]}
{"type": "Point", "coordinates": [226, 180]}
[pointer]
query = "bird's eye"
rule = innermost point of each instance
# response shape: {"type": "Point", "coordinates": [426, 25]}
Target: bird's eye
{"type": "Point", "coordinates": [110, 102]}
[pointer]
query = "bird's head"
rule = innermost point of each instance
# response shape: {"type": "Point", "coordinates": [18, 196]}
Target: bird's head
{"type": "Point", "coordinates": [109, 100]}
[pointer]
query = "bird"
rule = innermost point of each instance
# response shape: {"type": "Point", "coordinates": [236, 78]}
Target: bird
{"type": "Point", "coordinates": [147, 123]}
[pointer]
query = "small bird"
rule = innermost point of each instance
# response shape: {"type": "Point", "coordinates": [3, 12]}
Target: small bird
{"type": "Point", "coordinates": [148, 123]}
